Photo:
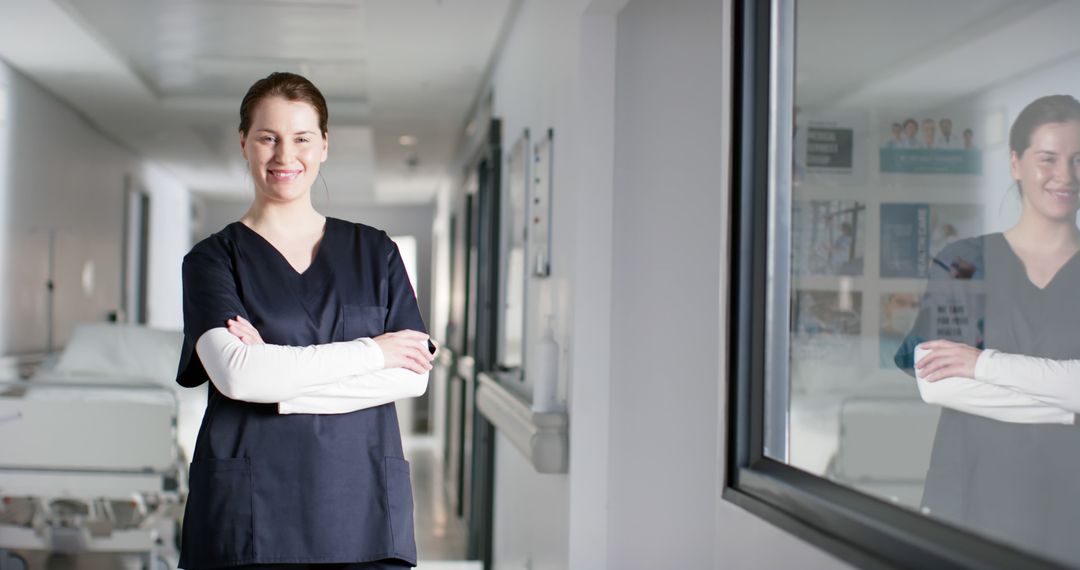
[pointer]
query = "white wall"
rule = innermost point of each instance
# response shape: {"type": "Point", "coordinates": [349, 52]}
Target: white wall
{"type": "Point", "coordinates": [640, 196]}
{"type": "Point", "coordinates": [670, 212]}
{"type": "Point", "coordinates": [62, 177]}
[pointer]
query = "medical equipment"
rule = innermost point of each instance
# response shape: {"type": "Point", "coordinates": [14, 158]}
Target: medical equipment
{"type": "Point", "coordinates": [92, 454]}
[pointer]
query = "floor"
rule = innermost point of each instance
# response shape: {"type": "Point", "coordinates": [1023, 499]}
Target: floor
{"type": "Point", "coordinates": [440, 535]}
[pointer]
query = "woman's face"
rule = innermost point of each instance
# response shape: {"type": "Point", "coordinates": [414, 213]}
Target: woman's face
{"type": "Point", "coordinates": [284, 148]}
{"type": "Point", "coordinates": [1049, 171]}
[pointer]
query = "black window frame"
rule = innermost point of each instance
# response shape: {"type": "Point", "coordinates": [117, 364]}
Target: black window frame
{"type": "Point", "coordinates": [863, 530]}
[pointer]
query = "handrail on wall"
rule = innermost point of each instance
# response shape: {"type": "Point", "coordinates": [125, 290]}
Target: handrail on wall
{"type": "Point", "coordinates": [542, 437]}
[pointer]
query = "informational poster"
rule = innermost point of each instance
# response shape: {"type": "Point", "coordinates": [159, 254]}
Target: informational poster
{"type": "Point", "coordinates": [898, 312]}
{"type": "Point", "coordinates": [828, 237]}
{"type": "Point", "coordinates": [827, 313]}
{"type": "Point", "coordinates": [914, 236]}
{"type": "Point", "coordinates": [826, 324]}
{"type": "Point", "coordinates": [829, 148]}
{"type": "Point", "coordinates": [941, 144]}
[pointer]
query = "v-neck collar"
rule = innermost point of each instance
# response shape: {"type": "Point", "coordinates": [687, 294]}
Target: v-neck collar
{"type": "Point", "coordinates": [277, 253]}
{"type": "Point", "coordinates": [1023, 268]}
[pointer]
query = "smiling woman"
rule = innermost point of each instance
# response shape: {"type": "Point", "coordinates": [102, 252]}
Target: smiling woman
{"type": "Point", "coordinates": [308, 330]}
{"type": "Point", "coordinates": [1007, 397]}
{"type": "Point", "coordinates": [284, 140]}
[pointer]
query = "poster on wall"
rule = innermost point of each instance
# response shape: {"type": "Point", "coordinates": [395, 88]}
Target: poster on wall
{"type": "Point", "coordinates": [827, 147]}
{"type": "Point", "coordinates": [825, 324]}
{"type": "Point", "coordinates": [941, 144]}
{"type": "Point", "coordinates": [828, 237]}
{"type": "Point", "coordinates": [897, 315]}
{"type": "Point", "coordinates": [914, 236]}
{"type": "Point", "coordinates": [827, 313]}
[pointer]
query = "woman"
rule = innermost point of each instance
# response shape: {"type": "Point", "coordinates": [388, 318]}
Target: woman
{"type": "Point", "coordinates": [287, 313]}
{"type": "Point", "coordinates": [1006, 457]}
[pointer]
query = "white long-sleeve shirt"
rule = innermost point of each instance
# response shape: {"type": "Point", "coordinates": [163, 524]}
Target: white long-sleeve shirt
{"type": "Point", "coordinates": [332, 378]}
{"type": "Point", "coordinates": [1010, 388]}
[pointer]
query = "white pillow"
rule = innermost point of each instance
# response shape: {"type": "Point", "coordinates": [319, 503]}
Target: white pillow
{"type": "Point", "coordinates": [122, 351]}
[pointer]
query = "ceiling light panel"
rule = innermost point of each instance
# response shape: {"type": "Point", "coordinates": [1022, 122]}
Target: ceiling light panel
{"type": "Point", "coordinates": [218, 48]}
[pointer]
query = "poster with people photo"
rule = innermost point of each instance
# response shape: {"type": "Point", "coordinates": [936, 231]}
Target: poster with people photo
{"type": "Point", "coordinates": [828, 237]}
{"type": "Point", "coordinates": [951, 316]}
{"type": "Point", "coordinates": [914, 236]}
{"type": "Point", "coordinates": [939, 144]}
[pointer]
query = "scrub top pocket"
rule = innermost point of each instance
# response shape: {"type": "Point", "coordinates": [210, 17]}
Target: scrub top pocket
{"type": "Point", "coordinates": [221, 522]}
{"type": "Point", "coordinates": [399, 499]}
{"type": "Point", "coordinates": [364, 321]}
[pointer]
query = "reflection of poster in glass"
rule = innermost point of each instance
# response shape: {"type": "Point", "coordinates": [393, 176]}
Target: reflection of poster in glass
{"type": "Point", "coordinates": [914, 235]}
{"type": "Point", "coordinates": [898, 313]}
{"type": "Point", "coordinates": [827, 313]}
{"type": "Point", "coordinates": [827, 149]}
{"type": "Point", "coordinates": [957, 317]}
{"type": "Point", "coordinates": [931, 145]}
{"type": "Point", "coordinates": [826, 324]}
{"type": "Point", "coordinates": [828, 237]}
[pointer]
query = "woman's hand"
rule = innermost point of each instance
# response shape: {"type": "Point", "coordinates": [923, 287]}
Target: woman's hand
{"type": "Point", "coordinates": [947, 359]}
{"type": "Point", "coordinates": [244, 330]}
{"type": "Point", "coordinates": [406, 349]}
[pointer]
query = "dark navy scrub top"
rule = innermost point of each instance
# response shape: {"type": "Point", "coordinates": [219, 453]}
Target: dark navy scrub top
{"type": "Point", "coordinates": [1019, 483]}
{"type": "Point", "coordinates": [301, 488]}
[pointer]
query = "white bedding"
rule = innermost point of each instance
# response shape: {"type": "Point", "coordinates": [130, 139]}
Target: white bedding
{"type": "Point", "coordinates": [106, 362]}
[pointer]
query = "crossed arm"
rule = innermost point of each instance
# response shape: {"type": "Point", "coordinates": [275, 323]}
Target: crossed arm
{"type": "Point", "coordinates": [332, 378]}
{"type": "Point", "coordinates": [1006, 387]}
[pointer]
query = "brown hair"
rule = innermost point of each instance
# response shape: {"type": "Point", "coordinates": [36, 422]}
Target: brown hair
{"type": "Point", "coordinates": [291, 87]}
{"type": "Point", "coordinates": [1044, 110]}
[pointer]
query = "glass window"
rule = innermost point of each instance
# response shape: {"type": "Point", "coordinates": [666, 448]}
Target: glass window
{"type": "Point", "coordinates": [510, 351]}
{"type": "Point", "coordinates": [922, 318]}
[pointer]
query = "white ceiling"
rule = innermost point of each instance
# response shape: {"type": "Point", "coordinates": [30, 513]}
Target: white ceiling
{"type": "Point", "coordinates": [924, 52]}
{"type": "Point", "coordinates": [165, 77]}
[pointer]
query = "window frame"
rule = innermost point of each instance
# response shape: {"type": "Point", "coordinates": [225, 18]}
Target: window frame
{"type": "Point", "coordinates": [863, 530]}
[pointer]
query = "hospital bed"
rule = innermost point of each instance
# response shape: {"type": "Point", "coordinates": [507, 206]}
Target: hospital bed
{"type": "Point", "coordinates": [93, 451]}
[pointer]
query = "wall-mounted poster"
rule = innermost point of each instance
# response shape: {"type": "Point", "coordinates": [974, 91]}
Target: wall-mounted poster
{"type": "Point", "coordinates": [827, 313]}
{"type": "Point", "coordinates": [898, 313]}
{"type": "Point", "coordinates": [929, 145]}
{"type": "Point", "coordinates": [827, 147]}
{"type": "Point", "coordinates": [828, 237]}
{"type": "Point", "coordinates": [914, 235]}
{"type": "Point", "coordinates": [826, 324]}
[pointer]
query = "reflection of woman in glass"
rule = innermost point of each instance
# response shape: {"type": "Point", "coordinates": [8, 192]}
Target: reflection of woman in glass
{"type": "Point", "coordinates": [1006, 457]}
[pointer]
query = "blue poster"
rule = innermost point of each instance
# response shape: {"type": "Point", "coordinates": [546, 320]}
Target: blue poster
{"type": "Point", "coordinates": [905, 240]}
{"type": "Point", "coordinates": [931, 161]}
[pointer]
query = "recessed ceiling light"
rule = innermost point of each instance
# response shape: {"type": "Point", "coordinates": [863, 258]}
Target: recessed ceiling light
{"type": "Point", "coordinates": [407, 140]}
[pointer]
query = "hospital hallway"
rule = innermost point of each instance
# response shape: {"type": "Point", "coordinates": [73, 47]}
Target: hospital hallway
{"type": "Point", "coordinates": [708, 284]}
